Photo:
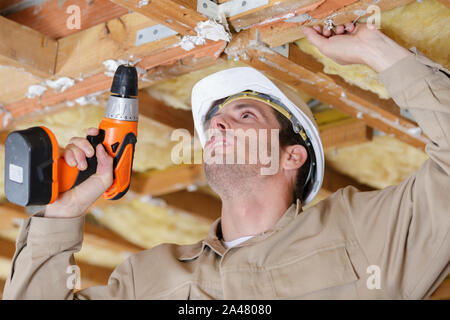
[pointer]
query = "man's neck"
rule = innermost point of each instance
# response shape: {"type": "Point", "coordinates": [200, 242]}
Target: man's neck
{"type": "Point", "coordinates": [253, 210]}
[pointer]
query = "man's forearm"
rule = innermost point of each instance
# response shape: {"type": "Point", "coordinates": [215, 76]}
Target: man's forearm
{"type": "Point", "coordinates": [382, 54]}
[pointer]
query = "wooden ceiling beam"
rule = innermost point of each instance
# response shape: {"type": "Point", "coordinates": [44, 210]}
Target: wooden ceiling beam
{"type": "Point", "coordinates": [160, 182]}
{"type": "Point", "coordinates": [443, 291]}
{"type": "Point", "coordinates": [334, 180]}
{"type": "Point", "coordinates": [344, 133]}
{"type": "Point", "coordinates": [278, 32]}
{"type": "Point", "coordinates": [171, 13]}
{"type": "Point", "coordinates": [196, 202]}
{"type": "Point", "coordinates": [84, 52]}
{"type": "Point", "coordinates": [2, 286]}
{"type": "Point", "coordinates": [299, 57]}
{"type": "Point", "coordinates": [51, 17]}
{"type": "Point", "coordinates": [274, 11]}
{"type": "Point", "coordinates": [318, 85]}
{"type": "Point", "coordinates": [157, 110]}
{"type": "Point", "coordinates": [22, 47]}
{"type": "Point", "coordinates": [8, 5]}
{"type": "Point", "coordinates": [163, 53]}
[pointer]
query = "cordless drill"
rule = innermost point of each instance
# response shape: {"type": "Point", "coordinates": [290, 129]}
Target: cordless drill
{"type": "Point", "coordinates": [35, 174]}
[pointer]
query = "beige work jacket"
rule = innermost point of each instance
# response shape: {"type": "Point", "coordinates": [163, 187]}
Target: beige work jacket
{"type": "Point", "coordinates": [386, 244]}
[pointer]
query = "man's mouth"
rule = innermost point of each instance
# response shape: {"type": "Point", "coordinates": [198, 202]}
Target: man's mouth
{"type": "Point", "coordinates": [218, 142]}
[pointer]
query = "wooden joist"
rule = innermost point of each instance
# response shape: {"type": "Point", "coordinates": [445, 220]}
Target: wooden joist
{"type": "Point", "coordinates": [173, 179]}
{"type": "Point", "coordinates": [206, 53]}
{"type": "Point", "coordinates": [27, 49]}
{"type": "Point", "coordinates": [196, 202]}
{"type": "Point", "coordinates": [299, 57]}
{"type": "Point", "coordinates": [443, 291]}
{"type": "Point", "coordinates": [274, 11]}
{"type": "Point", "coordinates": [2, 285]}
{"type": "Point", "coordinates": [323, 88]}
{"type": "Point", "coordinates": [5, 4]}
{"type": "Point", "coordinates": [171, 13]}
{"type": "Point", "coordinates": [344, 133]}
{"type": "Point", "coordinates": [84, 52]}
{"type": "Point", "coordinates": [157, 110]}
{"type": "Point", "coordinates": [51, 17]}
{"type": "Point", "coordinates": [334, 180]}
{"type": "Point", "coordinates": [281, 31]}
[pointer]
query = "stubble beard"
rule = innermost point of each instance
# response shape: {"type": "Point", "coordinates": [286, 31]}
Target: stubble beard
{"type": "Point", "coordinates": [227, 180]}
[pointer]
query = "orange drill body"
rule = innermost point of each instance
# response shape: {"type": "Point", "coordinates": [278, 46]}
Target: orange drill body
{"type": "Point", "coordinates": [35, 172]}
{"type": "Point", "coordinates": [117, 133]}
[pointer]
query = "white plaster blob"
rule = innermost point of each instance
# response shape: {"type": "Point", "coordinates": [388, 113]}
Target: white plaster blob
{"type": "Point", "coordinates": [208, 29]}
{"type": "Point", "coordinates": [7, 117]}
{"type": "Point", "coordinates": [112, 65]}
{"type": "Point", "coordinates": [143, 3]}
{"type": "Point", "coordinates": [157, 202]}
{"type": "Point", "coordinates": [35, 90]}
{"type": "Point", "coordinates": [60, 84]}
{"type": "Point", "coordinates": [89, 99]}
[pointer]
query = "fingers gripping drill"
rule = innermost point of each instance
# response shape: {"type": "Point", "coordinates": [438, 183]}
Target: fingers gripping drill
{"type": "Point", "coordinates": [35, 174]}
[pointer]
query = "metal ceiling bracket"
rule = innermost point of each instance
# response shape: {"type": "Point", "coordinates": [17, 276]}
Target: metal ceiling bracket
{"type": "Point", "coordinates": [229, 9]}
{"type": "Point", "coordinates": [153, 33]}
{"type": "Point", "coordinates": [283, 50]}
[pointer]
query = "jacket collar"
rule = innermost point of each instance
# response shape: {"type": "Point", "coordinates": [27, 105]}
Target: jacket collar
{"type": "Point", "coordinates": [213, 239]}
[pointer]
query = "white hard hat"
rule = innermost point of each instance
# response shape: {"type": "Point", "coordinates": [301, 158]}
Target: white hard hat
{"type": "Point", "coordinates": [233, 81]}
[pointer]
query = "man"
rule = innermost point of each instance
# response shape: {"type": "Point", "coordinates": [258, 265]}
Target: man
{"type": "Point", "coordinates": [387, 244]}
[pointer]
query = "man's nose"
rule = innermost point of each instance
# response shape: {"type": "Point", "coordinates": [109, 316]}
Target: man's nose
{"type": "Point", "coordinates": [219, 122]}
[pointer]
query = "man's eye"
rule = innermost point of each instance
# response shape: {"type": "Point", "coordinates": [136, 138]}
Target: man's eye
{"type": "Point", "coordinates": [247, 115]}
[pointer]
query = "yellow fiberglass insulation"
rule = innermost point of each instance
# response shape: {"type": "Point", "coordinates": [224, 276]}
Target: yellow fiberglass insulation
{"type": "Point", "coordinates": [423, 25]}
{"type": "Point", "coordinates": [380, 163]}
{"type": "Point", "coordinates": [147, 222]}
{"type": "Point", "coordinates": [356, 74]}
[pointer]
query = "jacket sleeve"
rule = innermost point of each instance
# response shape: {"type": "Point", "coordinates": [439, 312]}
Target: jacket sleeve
{"type": "Point", "coordinates": [43, 264]}
{"type": "Point", "coordinates": [405, 229]}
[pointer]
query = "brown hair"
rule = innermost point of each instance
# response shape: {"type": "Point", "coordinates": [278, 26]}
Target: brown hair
{"type": "Point", "coordinates": [288, 137]}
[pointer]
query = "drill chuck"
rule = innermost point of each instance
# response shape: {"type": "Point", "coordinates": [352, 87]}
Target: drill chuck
{"type": "Point", "coordinates": [119, 108]}
{"type": "Point", "coordinates": [125, 82]}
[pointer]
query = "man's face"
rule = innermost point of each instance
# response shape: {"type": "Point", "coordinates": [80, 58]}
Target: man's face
{"type": "Point", "coordinates": [238, 133]}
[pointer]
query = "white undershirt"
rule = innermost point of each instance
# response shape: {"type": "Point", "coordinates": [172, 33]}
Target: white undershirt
{"type": "Point", "coordinates": [230, 244]}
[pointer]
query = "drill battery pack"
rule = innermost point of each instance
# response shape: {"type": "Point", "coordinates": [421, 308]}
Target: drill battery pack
{"type": "Point", "coordinates": [28, 167]}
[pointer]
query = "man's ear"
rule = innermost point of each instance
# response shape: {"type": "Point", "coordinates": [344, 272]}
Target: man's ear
{"type": "Point", "coordinates": [293, 157]}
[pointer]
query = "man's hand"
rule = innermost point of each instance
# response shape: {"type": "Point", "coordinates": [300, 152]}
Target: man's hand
{"type": "Point", "coordinates": [357, 45]}
{"type": "Point", "coordinates": [76, 201]}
